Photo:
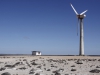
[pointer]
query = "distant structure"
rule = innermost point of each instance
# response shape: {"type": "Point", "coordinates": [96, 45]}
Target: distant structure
{"type": "Point", "coordinates": [80, 19]}
{"type": "Point", "coordinates": [36, 53]}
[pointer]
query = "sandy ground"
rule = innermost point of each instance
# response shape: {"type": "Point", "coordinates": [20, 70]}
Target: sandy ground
{"type": "Point", "coordinates": [50, 65]}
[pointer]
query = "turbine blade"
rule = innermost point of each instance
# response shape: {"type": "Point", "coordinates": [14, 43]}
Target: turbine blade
{"type": "Point", "coordinates": [74, 9]}
{"type": "Point", "coordinates": [83, 12]}
{"type": "Point", "coordinates": [84, 15]}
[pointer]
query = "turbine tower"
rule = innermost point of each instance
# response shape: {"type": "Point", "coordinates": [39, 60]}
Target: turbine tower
{"type": "Point", "coordinates": [80, 19]}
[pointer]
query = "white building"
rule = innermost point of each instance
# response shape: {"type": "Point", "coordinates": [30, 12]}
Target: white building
{"type": "Point", "coordinates": [36, 53]}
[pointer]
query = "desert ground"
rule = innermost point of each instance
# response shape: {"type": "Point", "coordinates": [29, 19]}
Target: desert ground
{"type": "Point", "coordinates": [49, 65]}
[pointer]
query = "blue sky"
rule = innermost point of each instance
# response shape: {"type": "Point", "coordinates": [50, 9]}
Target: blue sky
{"type": "Point", "coordinates": [49, 26]}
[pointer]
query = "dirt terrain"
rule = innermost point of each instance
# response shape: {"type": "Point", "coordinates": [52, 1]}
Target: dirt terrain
{"type": "Point", "coordinates": [49, 65]}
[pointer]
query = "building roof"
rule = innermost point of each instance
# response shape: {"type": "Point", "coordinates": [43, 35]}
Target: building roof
{"type": "Point", "coordinates": [36, 51]}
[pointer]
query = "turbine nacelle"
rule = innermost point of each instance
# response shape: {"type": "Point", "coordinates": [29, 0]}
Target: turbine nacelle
{"type": "Point", "coordinates": [81, 16]}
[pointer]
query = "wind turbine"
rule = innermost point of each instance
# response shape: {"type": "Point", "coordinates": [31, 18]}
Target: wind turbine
{"type": "Point", "coordinates": [80, 19]}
